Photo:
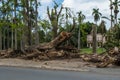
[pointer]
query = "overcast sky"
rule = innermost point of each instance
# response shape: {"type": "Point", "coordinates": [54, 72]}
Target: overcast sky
{"type": "Point", "coordinates": [85, 6]}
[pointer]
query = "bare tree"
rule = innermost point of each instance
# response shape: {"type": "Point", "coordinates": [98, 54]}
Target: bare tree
{"type": "Point", "coordinates": [54, 18]}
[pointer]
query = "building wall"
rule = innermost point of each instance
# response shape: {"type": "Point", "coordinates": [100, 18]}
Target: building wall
{"type": "Point", "coordinates": [100, 40]}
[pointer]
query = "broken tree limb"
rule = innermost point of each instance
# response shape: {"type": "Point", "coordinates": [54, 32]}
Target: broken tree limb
{"type": "Point", "coordinates": [56, 42]}
{"type": "Point", "coordinates": [112, 56]}
{"type": "Point", "coordinates": [44, 51]}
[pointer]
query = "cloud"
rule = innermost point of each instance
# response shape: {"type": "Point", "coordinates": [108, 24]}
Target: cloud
{"type": "Point", "coordinates": [86, 7]}
{"type": "Point", "coordinates": [45, 1]}
{"type": "Point", "coordinates": [94, 1]}
{"type": "Point", "coordinates": [43, 7]}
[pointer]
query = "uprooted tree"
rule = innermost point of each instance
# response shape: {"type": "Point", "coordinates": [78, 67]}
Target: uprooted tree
{"type": "Point", "coordinates": [112, 56]}
{"type": "Point", "coordinates": [54, 46]}
{"type": "Point", "coordinates": [48, 50]}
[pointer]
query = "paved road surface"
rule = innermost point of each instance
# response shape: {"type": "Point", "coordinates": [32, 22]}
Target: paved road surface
{"type": "Point", "coordinates": [12, 73]}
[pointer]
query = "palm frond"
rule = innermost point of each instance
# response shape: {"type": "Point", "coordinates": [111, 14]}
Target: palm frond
{"type": "Point", "coordinates": [106, 18]}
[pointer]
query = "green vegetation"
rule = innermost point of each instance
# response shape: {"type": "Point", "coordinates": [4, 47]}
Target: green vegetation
{"type": "Point", "coordinates": [21, 26]}
{"type": "Point", "coordinates": [89, 50]}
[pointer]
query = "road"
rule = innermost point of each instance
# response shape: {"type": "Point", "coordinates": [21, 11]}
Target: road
{"type": "Point", "coordinates": [14, 73]}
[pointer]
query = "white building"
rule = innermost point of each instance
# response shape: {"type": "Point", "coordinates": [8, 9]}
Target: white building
{"type": "Point", "coordinates": [100, 40]}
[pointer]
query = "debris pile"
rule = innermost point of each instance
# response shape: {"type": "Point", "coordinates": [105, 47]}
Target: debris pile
{"type": "Point", "coordinates": [112, 56]}
{"type": "Point", "coordinates": [51, 50]}
{"type": "Point", "coordinates": [55, 50]}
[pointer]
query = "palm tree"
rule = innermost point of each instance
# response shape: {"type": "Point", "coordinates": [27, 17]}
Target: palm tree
{"type": "Point", "coordinates": [102, 27]}
{"type": "Point", "coordinates": [96, 15]}
{"type": "Point", "coordinates": [1, 27]}
{"type": "Point", "coordinates": [15, 18]}
{"type": "Point", "coordinates": [111, 15]}
{"type": "Point", "coordinates": [102, 30]}
{"type": "Point", "coordinates": [116, 4]}
{"type": "Point", "coordinates": [110, 19]}
{"type": "Point", "coordinates": [116, 34]}
{"type": "Point", "coordinates": [116, 11]}
{"type": "Point", "coordinates": [68, 14]}
{"type": "Point", "coordinates": [81, 17]}
{"type": "Point", "coordinates": [0, 39]}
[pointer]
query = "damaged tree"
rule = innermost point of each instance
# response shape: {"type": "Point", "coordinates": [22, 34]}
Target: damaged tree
{"type": "Point", "coordinates": [111, 56]}
{"type": "Point", "coordinates": [62, 37]}
{"type": "Point", "coordinates": [54, 18]}
{"type": "Point", "coordinates": [47, 50]}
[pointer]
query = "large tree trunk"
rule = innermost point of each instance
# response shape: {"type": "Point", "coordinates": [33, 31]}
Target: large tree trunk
{"type": "Point", "coordinates": [79, 39]}
{"type": "Point", "coordinates": [94, 39]}
{"type": "Point", "coordinates": [38, 50]}
{"type": "Point", "coordinates": [54, 17]}
{"type": "Point", "coordinates": [4, 38]}
{"type": "Point", "coordinates": [12, 39]}
{"type": "Point", "coordinates": [15, 22]}
{"type": "Point", "coordinates": [0, 39]}
{"type": "Point", "coordinates": [36, 25]}
{"type": "Point", "coordinates": [7, 38]}
{"type": "Point", "coordinates": [111, 19]}
{"type": "Point", "coordinates": [62, 37]}
{"type": "Point", "coordinates": [49, 50]}
{"type": "Point", "coordinates": [28, 20]}
{"type": "Point", "coordinates": [15, 39]}
{"type": "Point", "coordinates": [23, 40]}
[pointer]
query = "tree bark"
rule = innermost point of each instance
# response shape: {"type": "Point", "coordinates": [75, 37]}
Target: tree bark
{"type": "Point", "coordinates": [0, 39]}
{"type": "Point", "coordinates": [62, 37]}
{"type": "Point", "coordinates": [36, 26]}
{"type": "Point", "coordinates": [15, 22]}
{"type": "Point", "coordinates": [79, 39]}
{"type": "Point", "coordinates": [94, 39]}
{"type": "Point", "coordinates": [56, 42]}
{"type": "Point", "coordinates": [54, 17]}
{"type": "Point", "coordinates": [15, 39]}
{"type": "Point", "coordinates": [12, 39]}
{"type": "Point", "coordinates": [4, 38]}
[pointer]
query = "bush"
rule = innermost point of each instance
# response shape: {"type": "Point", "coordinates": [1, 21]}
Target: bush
{"type": "Point", "coordinates": [111, 44]}
{"type": "Point", "coordinates": [108, 45]}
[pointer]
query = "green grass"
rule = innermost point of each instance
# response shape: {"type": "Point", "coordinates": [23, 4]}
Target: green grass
{"type": "Point", "coordinates": [89, 50]}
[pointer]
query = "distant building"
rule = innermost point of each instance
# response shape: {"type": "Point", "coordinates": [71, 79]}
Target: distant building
{"type": "Point", "coordinates": [100, 40]}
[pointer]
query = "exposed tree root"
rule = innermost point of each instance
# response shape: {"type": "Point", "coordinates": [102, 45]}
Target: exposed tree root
{"type": "Point", "coordinates": [111, 56]}
{"type": "Point", "coordinates": [47, 51]}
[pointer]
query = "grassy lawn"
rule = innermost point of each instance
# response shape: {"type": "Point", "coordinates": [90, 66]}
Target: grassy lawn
{"type": "Point", "coordinates": [89, 50]}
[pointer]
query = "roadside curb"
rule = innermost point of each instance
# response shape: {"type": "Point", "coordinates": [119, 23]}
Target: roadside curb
{"type": "Point", "coordinates": [45, 67]}
{"type": "Point", "coordinates": [62, 68]}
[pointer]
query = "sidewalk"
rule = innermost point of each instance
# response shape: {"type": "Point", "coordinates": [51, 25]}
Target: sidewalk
{"type": "Point", "coordinates": [69, 65]}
